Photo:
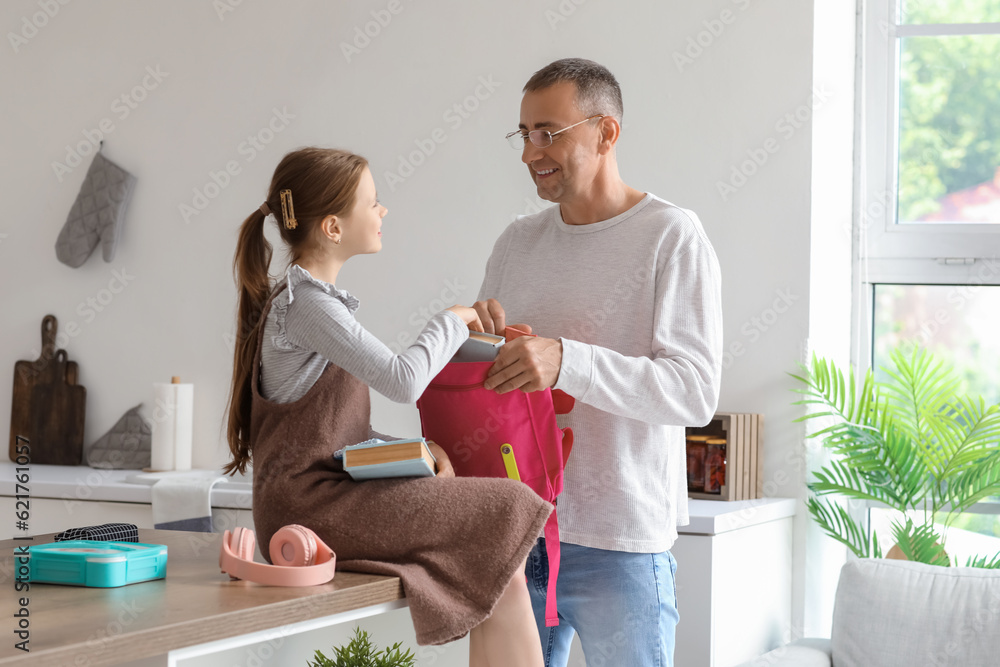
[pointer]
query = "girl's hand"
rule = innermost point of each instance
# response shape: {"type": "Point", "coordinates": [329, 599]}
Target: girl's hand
{"type": "Point", "coordinates": [469, 316]}
{"type": "Point", "coordinates": [444, 468]}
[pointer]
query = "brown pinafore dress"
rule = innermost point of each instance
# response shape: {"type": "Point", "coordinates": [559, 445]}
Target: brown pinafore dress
{"type": "Point", "coordinates": [455, 543]}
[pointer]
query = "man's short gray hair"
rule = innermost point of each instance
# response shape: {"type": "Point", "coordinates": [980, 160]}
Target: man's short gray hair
{"type": "Point", "coordinates": [597, 90]}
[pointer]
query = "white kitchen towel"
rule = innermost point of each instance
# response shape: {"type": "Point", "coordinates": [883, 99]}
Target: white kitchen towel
{"type": "Point", "coordinates": [183, 501]}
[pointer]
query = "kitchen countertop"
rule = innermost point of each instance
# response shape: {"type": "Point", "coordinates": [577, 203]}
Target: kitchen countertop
{"type": "Point", "coordinates": [99, 484]}
{"type": "Point", "coordinates": [708, 517]}
{"type": "Point", "coordinates": [194, 605]}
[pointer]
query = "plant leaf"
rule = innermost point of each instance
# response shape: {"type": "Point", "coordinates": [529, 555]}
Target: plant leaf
{"type": "Point", "coordinates": [845, 477]}
{"type": "Point", "coordinates": [972, 484]}
{"type": "Point", "coordinates": [909, 442]}
{"type": "Point", "coordinates": [984, 562]}
{"type": "Point", "coordinates": [920, 544]}
{"type": "Point", "coordinates": [839, 525]}
{"type": "Point", "coordinates": [922, 388]}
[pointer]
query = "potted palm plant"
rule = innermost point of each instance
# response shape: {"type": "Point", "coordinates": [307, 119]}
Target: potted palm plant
{"type": "Point", "coordinates": [911, 443]}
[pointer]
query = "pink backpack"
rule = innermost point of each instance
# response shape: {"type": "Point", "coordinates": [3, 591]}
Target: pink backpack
{"type": "Point", "coordinates": [515, 435]}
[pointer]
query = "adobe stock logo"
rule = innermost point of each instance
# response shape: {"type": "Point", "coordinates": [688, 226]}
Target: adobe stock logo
{"type": "Point", "coordinates": [713, 30]}
{"type": "Point", "coordinates": [219, 179]}
{"type": "Point", "coordinates": [223, 7]}
{"type": "Point", "coordinates": [38, 20]}
{"type": "Point", "coordinates": [451, 293]}
{"type": "Point", "coordinates": [562, 13]}
{"type": "Point", "coordinates": [786, 126]}
{"type": "Point", "coordinates": [754, 328]}
{"type": "Point", "coordinates": [455, 116]}
{"type": "Point", "coordinates": [122, 107]}
{"type": "Point", "coordinates": [363, 35]}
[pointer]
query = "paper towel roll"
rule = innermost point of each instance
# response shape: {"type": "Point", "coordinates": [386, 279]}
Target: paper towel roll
{"type": "Point", "coordinates": [172, 426]}
{"type": "Point", "coordinates": [161, 456]}
{"type": "Point", "coordinates": [183, 425]}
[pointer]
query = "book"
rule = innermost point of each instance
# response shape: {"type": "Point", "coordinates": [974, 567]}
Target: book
{"type": "Point", "coordinates": [479, 347]}
{"type": "Point", "coordinates": [378, 459]}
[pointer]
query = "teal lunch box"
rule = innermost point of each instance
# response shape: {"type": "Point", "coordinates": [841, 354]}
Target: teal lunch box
{"type": "Point", "coordinates": [96, 563]}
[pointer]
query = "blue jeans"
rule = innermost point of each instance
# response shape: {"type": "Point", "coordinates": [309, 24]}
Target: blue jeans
{"type": "Point", "coordinates": [623, 605]}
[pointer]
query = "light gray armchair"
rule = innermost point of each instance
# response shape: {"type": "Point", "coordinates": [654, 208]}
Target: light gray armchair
{"type": "Point", "coordinates": [892, 613]}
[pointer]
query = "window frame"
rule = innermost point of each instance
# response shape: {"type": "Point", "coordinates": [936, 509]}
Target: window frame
{"type": "Point", "coordinates": [885, 252]}
{"type": "Point", "coordinates": [881, 240]}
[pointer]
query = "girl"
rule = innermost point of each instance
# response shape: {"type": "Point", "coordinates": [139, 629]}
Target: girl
{"type": "Point", "coordinates": [301, 373]}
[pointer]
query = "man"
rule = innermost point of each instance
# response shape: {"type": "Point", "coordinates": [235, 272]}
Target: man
{"type": "Point", "coordinates": [623, 291]}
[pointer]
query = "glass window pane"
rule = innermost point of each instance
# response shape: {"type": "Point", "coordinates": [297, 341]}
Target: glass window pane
{"type": "Point", "coordinates": [970, 535]}
{"type": "Point", "coordinates": [949, 129]}
{"type": "Point", "coordinates": [958, 324]}
{"type": "Point", "coordinates": [949, 11]}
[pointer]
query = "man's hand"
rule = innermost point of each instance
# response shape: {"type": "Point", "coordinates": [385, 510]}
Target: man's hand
{"type": "Point", "coordinates": [525, 363]}
{"type": "Point", "coordinates": [491, 316]}
{"type": "Point", "coordinates": [444, 468]}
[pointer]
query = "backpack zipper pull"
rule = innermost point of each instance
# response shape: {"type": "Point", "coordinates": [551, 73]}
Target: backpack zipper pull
{"type": "Point", "coordinates": [509, 462]}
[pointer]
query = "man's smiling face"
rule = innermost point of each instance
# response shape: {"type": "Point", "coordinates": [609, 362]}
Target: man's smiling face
{"type": "Point", "coordinates": [566, 168]}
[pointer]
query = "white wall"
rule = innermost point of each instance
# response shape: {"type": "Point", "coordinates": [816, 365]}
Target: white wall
{"type": "Point", "coordinates": [688, 125]}
{"type": "Point", "coordinates": [830, 280]}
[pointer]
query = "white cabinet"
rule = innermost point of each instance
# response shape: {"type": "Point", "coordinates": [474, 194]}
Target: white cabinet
{"type": "Point", "coordinates": [734, 582]}
{"type": "Point", "coordinates": [734, 593]}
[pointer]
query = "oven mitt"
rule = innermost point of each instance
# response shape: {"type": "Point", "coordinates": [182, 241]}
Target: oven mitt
{"type": "Point", "coordinates": [97, 213]}
{"type": "Point", "coordinates": [126, 446]}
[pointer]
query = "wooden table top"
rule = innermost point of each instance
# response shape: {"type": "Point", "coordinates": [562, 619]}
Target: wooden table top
{"type": "Point", "coordinates": [196, 603]}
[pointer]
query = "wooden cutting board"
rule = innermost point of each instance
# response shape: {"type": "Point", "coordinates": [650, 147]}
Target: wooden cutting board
{"type": "Point", "coordinates": [28, 374]}
{"type": "Point", "coordinates": [58, 410]}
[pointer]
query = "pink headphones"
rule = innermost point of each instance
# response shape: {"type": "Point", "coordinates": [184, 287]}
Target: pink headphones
{"type": "Point", "coordinates": [300, 558]}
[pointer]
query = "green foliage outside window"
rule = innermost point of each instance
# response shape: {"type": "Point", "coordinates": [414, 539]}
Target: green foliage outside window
{"type": "Point", "coordinates": [949, 106]}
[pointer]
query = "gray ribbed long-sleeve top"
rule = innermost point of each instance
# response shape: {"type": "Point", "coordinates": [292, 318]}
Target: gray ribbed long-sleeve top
{"type": "Point", "coordinates": [312, 322]}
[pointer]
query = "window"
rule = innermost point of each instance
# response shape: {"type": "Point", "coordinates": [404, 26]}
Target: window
{"type": "Point", "coordinates": [959, 324]}
{"type": "Point", "coordinates": [927, 241]}
{"type": "Point", "coordinates": [931, 117]}
{"type": "Point", "coordinates": [973, 534]}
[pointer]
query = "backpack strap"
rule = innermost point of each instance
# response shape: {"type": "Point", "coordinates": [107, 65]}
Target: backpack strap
{"type": "Point", "coordinates": [567, 444]}
{"type": "Point", "coordinates": [552, 552]}
{"type": "Point", "coordinates": [562, 402]}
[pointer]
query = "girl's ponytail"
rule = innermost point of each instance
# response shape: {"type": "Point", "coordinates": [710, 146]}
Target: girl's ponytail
{"type": "Point", "coordinates": [250, 268]}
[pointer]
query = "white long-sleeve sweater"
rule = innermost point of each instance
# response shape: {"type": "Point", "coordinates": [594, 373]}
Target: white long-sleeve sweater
{"type": "Point", "coordinates": [636, 302]}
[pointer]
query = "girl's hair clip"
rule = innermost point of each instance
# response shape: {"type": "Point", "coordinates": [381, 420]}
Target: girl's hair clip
{"type": "Point", "coordinates": [287, 210]}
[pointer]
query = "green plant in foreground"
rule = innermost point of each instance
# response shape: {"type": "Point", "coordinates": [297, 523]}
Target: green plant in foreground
{"type": "Point", "coordinates": [910, 443]}
{"type": "Point", "coordinates": [359, 652]}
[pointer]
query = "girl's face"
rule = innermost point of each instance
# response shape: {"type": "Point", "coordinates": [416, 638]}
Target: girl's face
{"type": "Point", "coordinates": [362, 227]}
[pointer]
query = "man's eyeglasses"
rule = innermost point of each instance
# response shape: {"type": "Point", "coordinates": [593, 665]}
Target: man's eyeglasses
{"type": "Point", "coordinates": [518, 139]}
